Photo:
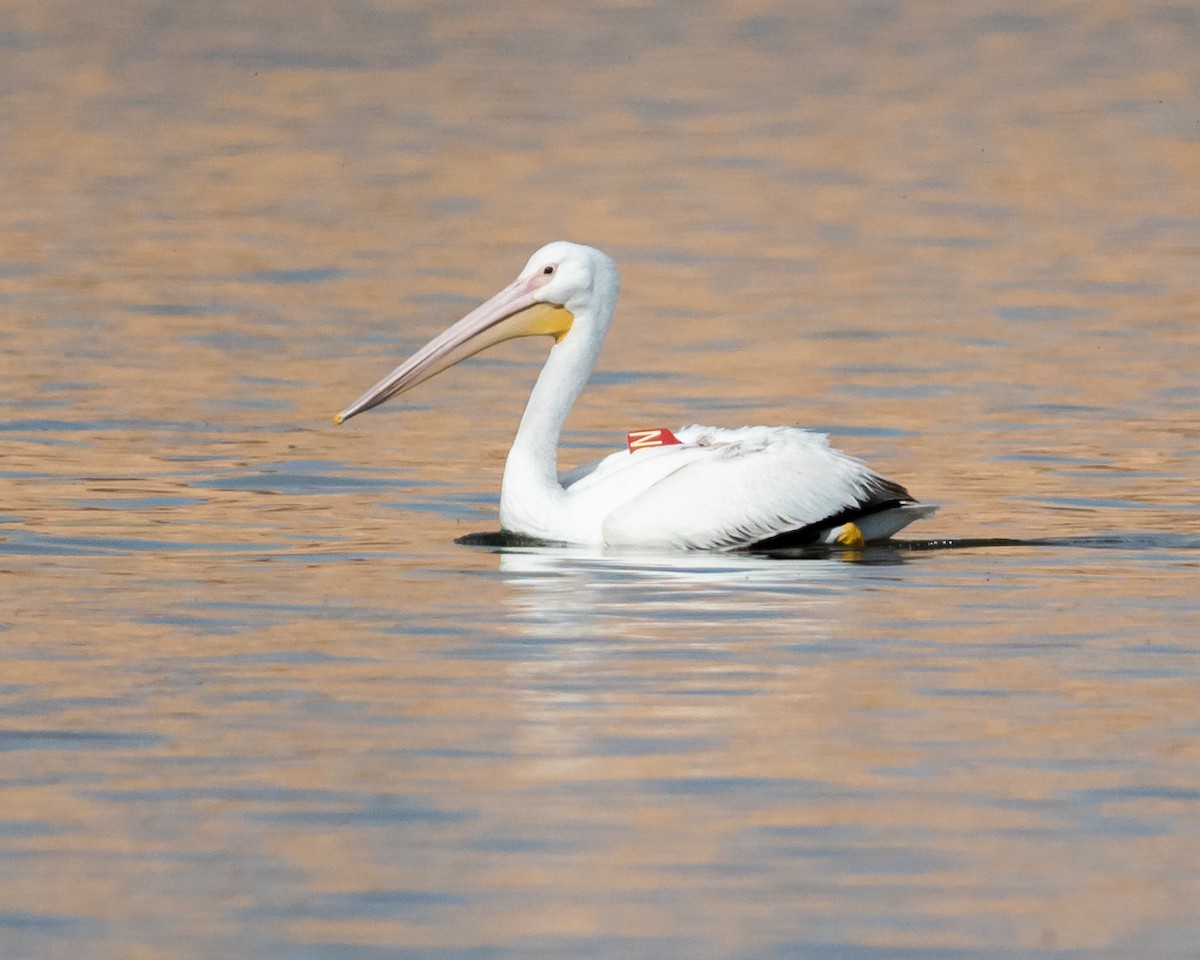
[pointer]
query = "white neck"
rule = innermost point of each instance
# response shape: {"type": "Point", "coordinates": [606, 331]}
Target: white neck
{"type": "Point", "coordinates": [532, 501]}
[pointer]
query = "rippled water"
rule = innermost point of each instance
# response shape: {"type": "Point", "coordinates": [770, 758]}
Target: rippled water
{"type": "Point", "coordinates": [256, 701]}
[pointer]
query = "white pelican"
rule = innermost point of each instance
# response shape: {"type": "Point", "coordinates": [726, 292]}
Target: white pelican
{"type": "Point", "coordinates": [703, 488]}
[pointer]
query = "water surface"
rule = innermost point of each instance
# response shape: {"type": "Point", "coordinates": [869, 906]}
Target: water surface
{"type": "Point", "coordinates": [257, 702]}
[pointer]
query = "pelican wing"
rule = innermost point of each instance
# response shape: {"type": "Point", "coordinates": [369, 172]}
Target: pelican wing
{"type": "Point", "coordinates": [738, 488]}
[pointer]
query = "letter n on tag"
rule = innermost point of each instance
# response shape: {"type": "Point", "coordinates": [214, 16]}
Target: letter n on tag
{"type": "Point", "coordinates": [644, 439]}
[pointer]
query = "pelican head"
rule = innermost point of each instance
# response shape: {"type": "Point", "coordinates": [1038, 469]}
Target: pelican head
{"type": "Point", "coordinates": [566, 291]}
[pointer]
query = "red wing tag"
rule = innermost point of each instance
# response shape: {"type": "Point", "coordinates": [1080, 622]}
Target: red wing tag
{"type": "Point", "coordinates": [644, 439]}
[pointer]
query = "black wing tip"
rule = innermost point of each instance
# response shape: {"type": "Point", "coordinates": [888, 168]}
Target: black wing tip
{"type": "Point", "coordinates": [880, 488]}
{"type": "Point", "coordinates": [879, 495]}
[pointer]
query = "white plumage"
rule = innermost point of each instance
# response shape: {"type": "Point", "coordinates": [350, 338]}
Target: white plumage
{"type": "Point", "coordinates": [717, 489]}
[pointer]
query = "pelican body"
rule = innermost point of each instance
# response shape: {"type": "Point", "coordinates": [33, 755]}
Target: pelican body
{"type": "Point", "coordinates": [715, 489]}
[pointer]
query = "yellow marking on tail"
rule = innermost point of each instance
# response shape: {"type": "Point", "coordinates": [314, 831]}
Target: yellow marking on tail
{"type": "Point", "coordinates": [850, 536]}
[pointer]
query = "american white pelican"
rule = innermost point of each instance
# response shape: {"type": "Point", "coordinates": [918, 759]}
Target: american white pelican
{"type": "Point", "coordinates": [702, 488]}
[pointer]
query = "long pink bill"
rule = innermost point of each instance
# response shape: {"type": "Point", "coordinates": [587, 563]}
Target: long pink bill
{"type": "Point", "coordinates": [513, 312]}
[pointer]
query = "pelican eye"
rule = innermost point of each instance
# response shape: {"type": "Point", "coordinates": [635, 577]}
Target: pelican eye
{"type": "Point", "coordinates": [548, 269]}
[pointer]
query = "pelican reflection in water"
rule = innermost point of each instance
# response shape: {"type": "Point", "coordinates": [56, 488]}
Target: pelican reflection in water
{"type": "Point", "coordinates": [698, 488]}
